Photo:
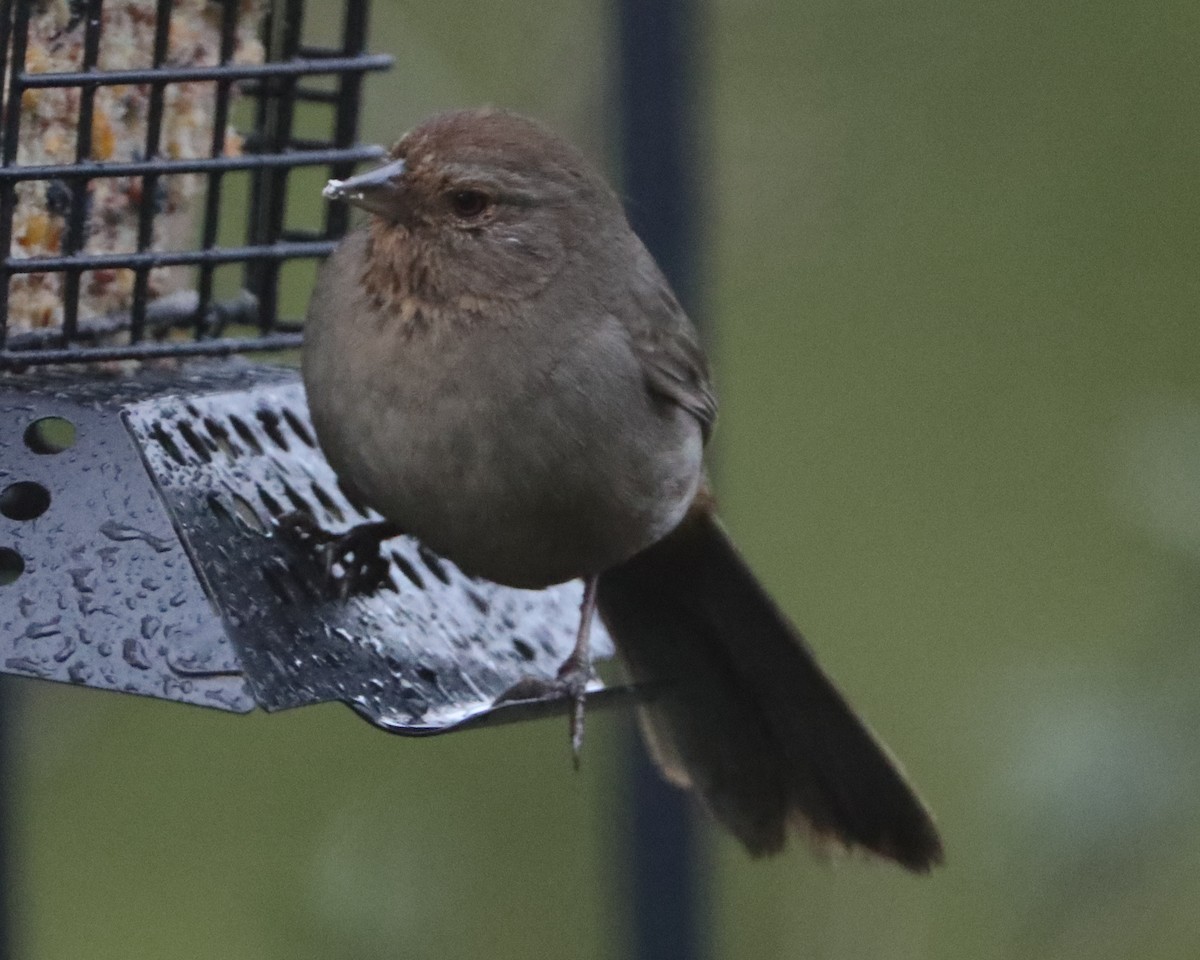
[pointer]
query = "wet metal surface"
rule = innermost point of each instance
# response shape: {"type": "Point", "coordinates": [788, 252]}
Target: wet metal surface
{"type": "Point", "coordinates": [106, 597]}
{"type": "Point", "coordinates": [223, 457]}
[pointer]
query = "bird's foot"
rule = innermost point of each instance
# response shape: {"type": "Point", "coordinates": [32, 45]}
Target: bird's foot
{"type": "Point", "coordinates": [356, 552]}
{"type": "Point", "coordinates": [573, 677]}
{"type": "Point", "coordinates": [570, 683]}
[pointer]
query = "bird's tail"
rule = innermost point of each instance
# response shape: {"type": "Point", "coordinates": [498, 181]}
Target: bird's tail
{"type": "Point", "coordinates": [740, 712]}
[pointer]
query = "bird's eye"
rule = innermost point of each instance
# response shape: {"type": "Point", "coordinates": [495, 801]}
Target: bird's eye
{"type": "Point", "coordinates": [469, 204]}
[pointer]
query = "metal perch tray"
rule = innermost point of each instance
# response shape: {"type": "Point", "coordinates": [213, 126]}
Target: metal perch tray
{"type": "Point", "coordinates": [144, 554]}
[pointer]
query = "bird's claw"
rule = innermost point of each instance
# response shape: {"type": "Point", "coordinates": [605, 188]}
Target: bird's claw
{"type": "Point", "coordinates": [356, 551]}
{"type": "Point", "coordinates": [571, 684]}
{"type": "Point", "coordinates": [302, 527]}
{"type": "Point", "coordinates": [573, 677]}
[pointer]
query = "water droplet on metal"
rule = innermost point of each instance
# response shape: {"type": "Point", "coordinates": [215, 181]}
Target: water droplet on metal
{"type": "Point", "coordinates": [135, 654]}
{"type": "Point", "coordinates": [123, 533]}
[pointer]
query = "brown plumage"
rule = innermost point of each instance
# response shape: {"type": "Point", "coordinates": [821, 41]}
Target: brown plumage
{"type": "Point", "coordinates": [497, 365]}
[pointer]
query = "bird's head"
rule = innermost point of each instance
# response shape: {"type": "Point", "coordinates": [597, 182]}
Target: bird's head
{"type": "Point", "coordinates": [487, 195]}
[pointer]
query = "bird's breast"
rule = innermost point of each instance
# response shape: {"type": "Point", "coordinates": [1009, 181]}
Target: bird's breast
{"type": "Point", "coordinates": [528, 455]}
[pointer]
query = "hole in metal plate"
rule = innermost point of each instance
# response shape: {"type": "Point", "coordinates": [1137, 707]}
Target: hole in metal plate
{"type": "Point", "coordinates": [326, 501]}
{"type": "Point", "coordinates": [270, 423]}
{"type": "Point", "coordinates": [194, 440]}
{"type": "Point", "coordinates": [299, 504]}
{"type": "Point", "coordinates": [298, 427]}
{"type": "Point", "coordinates": [524, 649]}
{"type": "Point", "coordinates": [167, 442]}
{"type": "Point", "coordinates": [245, 510]}
{"type": "Point", "coordinates": [434, 563]}
{"type": "Point", "coordinates": [24, 500]}
{"type": "Point", "coordinates": [49, 435]}
{"type": "Point", "coordinates": [268, 501]}
{"type": "Point", "coordinates": [247, 435]}
{"type": "Point", "coordinates": [408, 570]}
{"type": "Point", "coordinates": [220, 437]}
{"type": "Point", "coordinates": [12, 565]}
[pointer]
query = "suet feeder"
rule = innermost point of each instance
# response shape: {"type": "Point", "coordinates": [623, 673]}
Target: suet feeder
{"type": "Point", "coordinates": [158, 505]}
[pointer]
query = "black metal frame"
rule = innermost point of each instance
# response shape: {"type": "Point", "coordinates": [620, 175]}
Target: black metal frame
{"type": "Point", "coordinates": [271, 153]}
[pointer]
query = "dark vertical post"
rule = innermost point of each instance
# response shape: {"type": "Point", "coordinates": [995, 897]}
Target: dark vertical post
{"type": "Point", "coordinates": [14, 34]}
{"type": "Point", "coordinates": [658, 157]}
{"type": "Point", "coordinates": [12, 38]}
{"type": "Point", "coordinates": [6, 780]}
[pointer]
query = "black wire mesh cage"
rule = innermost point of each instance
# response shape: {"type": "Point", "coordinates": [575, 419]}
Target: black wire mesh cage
{"type": "Point", "coordinates": [147, 150]}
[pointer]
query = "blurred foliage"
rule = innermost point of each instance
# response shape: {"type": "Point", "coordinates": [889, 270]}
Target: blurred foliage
{"type": "Point", "coordinates": [951, 266]}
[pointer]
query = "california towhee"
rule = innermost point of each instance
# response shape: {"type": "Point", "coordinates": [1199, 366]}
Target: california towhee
{"type": "Point", "coordinates": [498, 367]}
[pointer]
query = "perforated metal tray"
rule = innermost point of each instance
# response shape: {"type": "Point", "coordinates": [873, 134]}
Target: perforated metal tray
{"type": "Point", "coordinates": [153, 562]}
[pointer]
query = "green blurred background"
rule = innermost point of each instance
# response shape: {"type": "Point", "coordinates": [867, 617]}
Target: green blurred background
{"type": "Point", "coordinates": [951, 277]}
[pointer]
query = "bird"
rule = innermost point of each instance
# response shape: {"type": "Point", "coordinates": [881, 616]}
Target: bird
{"type": "Point", "coordinates": [495, 363]}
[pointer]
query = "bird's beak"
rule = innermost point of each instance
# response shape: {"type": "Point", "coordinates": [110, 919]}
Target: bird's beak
{"type": "Point", "coordinates": [373, 190]}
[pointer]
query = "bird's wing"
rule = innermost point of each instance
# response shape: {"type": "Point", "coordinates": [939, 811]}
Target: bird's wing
{"type": "Point", "coordinates": [667, 345]}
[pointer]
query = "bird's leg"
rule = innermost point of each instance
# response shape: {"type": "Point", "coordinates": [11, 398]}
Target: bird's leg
{"type": "Point", "coordinates": [362, 542]}
{"type": "Point", "coordinates": [576, 670]}
{"type": "Point", "coordinates": [573, 675]}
